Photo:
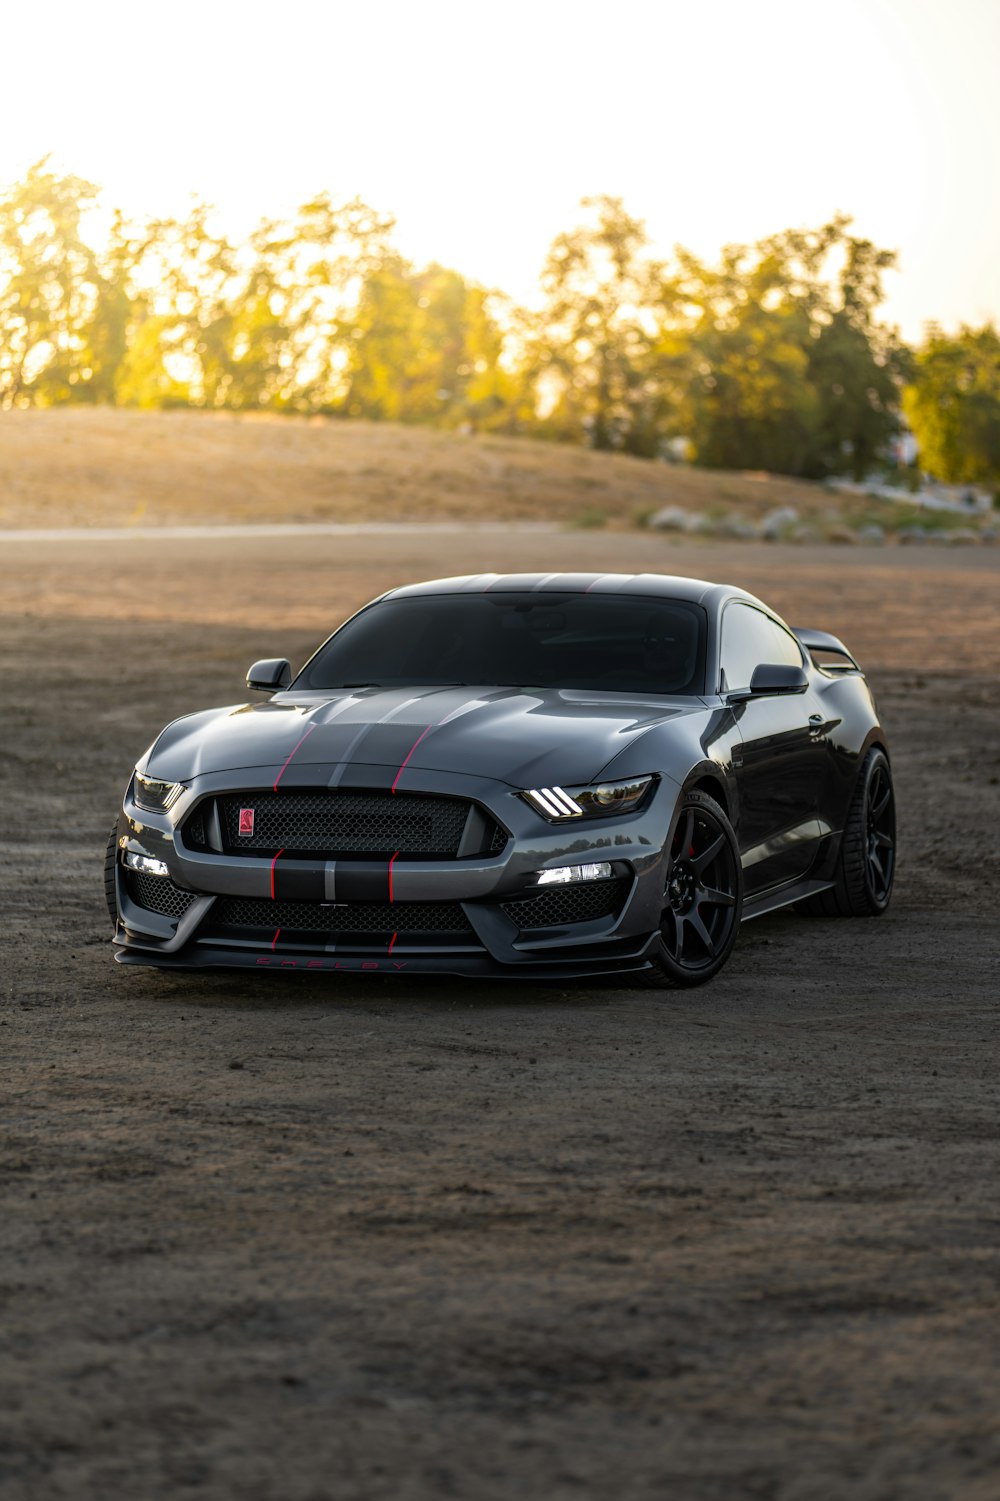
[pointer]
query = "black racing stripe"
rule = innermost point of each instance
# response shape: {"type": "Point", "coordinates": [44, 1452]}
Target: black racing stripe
{"type": "Point", "coordinates": [351, 751]}
{"type": "Point", "coordinates": [356, 777]}
{"type": "Point", "coordinates": [615, 583]}
{"type": "Point", "coordinates": [520, 583]}
{"type": "Point", "coordinates": [299, 881]}
{"type": "Point", "coordinates": [362, 881]}
{"type": "Point", "coordinates": [567, 583]}
{"type": "Point", "coordinates": [392, 742]}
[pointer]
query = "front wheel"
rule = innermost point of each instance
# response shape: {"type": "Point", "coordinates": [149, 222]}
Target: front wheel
{"type": "Point", "coordinates": [110, 856]}
{"type": "Point", "coordinates": [702, 897]}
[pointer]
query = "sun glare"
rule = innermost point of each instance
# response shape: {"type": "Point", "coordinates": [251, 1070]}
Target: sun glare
{"type": "Point", "coordinates": [481, 132]}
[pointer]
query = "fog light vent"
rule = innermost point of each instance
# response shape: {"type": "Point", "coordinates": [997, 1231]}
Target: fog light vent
{"type": "Point", "coordinates": [146, 865]}
{"type": "Point", "coordinates": [568, 875]}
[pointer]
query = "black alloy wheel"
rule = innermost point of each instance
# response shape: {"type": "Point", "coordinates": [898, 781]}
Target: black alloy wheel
{"type": "Point", "coordinates": [110, 857]}
{"type": "Point", "coordinates": [880, 835]}
{"type": "Point", "coordinates": [866, 868]}
{"type": "Point", "coordinates": [703, 895]}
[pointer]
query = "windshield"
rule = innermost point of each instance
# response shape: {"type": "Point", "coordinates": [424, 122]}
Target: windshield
{"type": "Point", "coordinates": [607, 642]}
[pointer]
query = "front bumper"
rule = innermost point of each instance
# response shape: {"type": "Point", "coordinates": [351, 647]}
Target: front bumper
{"type": "Point", "coordinates": [295, 911]}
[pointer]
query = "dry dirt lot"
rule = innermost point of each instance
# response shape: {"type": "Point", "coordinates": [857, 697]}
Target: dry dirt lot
{"type": "Point", "coordinates": [296, 1238]}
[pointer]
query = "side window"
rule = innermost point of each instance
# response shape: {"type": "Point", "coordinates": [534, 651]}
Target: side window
{"type": "Point", "coordinates": [750, 637]}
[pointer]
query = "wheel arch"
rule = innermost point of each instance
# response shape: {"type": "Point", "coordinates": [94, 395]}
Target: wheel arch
{"type": "Point", "coordinates": [712, 783]}
{"type": "Point", "coordinates": [876, 739]}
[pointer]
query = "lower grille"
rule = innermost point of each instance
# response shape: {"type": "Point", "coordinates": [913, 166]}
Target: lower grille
{"type": "Point", "coordinates": [358, 917]}
{"type": "Point", "coordinates": [158, 894]}
{"type": "Point", "coordinates": [569, 904]}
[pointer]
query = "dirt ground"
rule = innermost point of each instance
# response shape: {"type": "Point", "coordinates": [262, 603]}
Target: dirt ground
{"type": "Point", "coordinates": [297, 1238]}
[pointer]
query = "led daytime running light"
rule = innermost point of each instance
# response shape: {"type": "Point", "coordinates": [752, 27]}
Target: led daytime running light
{"type": "Point", "coordinates": [155, 795]}
{"type": "Point", "coordinates": [557, 804]}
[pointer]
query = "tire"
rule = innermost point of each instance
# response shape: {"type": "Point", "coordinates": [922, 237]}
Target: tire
{"type": "Point", "coordinates": [703, 897]}
{"type": "Point", "coordinates": [866, 866]}
{"type": "Point", "coordinates": [110, 856]}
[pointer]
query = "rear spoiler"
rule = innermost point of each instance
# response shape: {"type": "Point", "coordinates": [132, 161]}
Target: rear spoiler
{"type": "Point", "coordinates": [822, 641]}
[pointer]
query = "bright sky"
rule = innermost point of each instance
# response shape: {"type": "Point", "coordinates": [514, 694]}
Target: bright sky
{"type": "Point", "coordinates": [480, 126]}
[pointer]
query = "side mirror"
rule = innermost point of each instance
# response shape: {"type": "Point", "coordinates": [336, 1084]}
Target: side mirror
{"type": "Point", "coordinates": [270, 676]}
{"type": "Point", "coordinates": [775, 677]}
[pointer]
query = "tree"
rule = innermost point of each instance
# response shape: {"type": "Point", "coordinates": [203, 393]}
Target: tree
{"type": "Point", "coordinates": [48, 288]}
{"type": "Point", "coordinates": [774, 358]}
{"type": "Point", "coordinates": [253, 326]}
{"type": "Point", "coordinates": [857, 363]}
{"type": "Point", "coordinates": [589, 351]}
{"type": "Point", "coordinates": [424, 346]}
{"type": "Point", "coordinates": [790, 370]}
{"type": "Point", "coordinates": [750, 405]}
{"type": "Point", "coordinates": [124, 341]}
{"type": "Point", "coordinates": [953, 405]}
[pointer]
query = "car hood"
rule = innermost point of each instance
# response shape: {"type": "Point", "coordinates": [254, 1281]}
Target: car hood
{"type": "Point", "coordinates": [523, 737]}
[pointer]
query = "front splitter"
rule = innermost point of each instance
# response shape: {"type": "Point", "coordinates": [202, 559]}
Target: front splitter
{"type": "Point", "coordinates": [464, 966]}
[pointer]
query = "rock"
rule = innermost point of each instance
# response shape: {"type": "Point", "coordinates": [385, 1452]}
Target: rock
{"type": "Point", "coordinates": [776, 523]}
{"type": "Point", "coordinates": [873, 534]}
{"type": "Point", "coordinates": [670, 519]}
{"type": "Point", "coordinates": [805, 533]}
{"type": "Point", "coordinates": [961, 536]}
{"type": "Point", "coordinates": [912, 535]}
{"type": "Point", "coordinates": [736, 526]}
{"type": "Point", "coordinates": [842, 534]}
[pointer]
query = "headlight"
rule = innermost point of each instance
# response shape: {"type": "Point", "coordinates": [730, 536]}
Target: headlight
{"type": "Point", "coordinates": [558, 803]}
{"type": "Point", "coordinates": [153, 795]}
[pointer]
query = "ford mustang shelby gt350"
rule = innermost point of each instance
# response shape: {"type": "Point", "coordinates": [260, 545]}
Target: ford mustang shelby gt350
{"type": "Point", "coordinates": [520, 775]}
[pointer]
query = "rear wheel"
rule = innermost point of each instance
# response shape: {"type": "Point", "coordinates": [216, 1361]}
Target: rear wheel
{"type": "Point", "coordinates": [866, 868]}
{"type": "Point", "coordinates": [702, 898]}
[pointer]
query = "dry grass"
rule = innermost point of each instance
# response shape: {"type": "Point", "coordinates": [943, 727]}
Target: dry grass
{"type": "Point", "coordinates": [81, 467]}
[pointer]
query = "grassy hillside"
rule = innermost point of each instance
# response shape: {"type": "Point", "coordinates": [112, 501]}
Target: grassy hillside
{"type": "Point", "coordinates": [80, 467]}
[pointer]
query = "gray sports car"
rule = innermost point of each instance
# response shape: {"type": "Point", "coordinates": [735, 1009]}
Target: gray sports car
{"type": "Point", "coordinates": [522, 775]}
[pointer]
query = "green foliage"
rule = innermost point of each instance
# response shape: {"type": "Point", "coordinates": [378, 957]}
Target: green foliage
{"type": "Point", "coordinates": [590, 519]}
{"type": "Point", "coordinates": [791, 371]}
{"type": "Point", "coordinates": [589, 353]}
{"type": "Point", "coordinates": [425, 347]}
{"type": "Point", "coordinates": [953, 405]}
{"type": "Point", "coordinates": [48, 288]}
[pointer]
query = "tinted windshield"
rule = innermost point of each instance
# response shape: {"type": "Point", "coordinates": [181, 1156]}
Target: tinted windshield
{"type": "Point", "coordinates": [608, 642]}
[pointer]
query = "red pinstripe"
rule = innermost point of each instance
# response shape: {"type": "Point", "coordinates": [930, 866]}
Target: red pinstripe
{"type": "Point", "coordinates": [291, 753]}
{"type": "Point", "coordinates": [412, 749]}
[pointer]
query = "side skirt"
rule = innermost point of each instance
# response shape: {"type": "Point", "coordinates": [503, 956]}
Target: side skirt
{"type": "Point", "coordinates": [781, 896]}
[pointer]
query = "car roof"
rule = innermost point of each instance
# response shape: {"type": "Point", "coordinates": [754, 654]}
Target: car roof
{"type": "Point", "coordinates": [663, 585]}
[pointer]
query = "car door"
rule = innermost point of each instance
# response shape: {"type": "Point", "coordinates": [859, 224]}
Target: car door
{"type": "Point", "coordinates": [780, 761]}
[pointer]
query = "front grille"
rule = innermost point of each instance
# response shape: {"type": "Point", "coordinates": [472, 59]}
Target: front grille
{"type": "Point", "coordinates": [158, 894]}
{"type": "Point", "coordinates": [344, 823]}
{"type": "Point", "coordinates": [357, 917]}
{"type": "Point", "coordinates": [569, 904]}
